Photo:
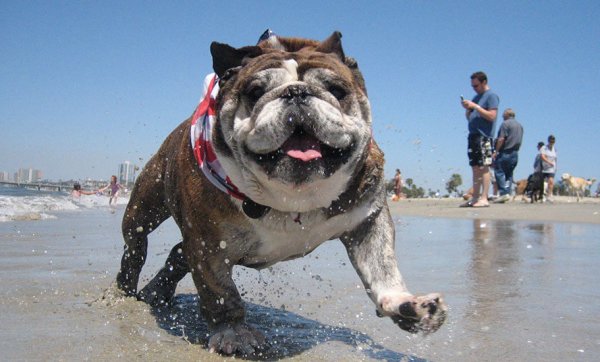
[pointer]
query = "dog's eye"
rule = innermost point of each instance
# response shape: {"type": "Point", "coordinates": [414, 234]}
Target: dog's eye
{"type": "Point", "coordinates": [254, 93]}
{"type": "Point", "coordinates": [338, 92]}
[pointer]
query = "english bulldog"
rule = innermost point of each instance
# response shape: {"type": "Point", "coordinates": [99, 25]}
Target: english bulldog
{"type": "Point", "coordinates": [285, 161]}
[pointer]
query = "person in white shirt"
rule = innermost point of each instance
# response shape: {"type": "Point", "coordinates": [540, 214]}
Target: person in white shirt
{"type": "Point", "coordinates": [549, 156]}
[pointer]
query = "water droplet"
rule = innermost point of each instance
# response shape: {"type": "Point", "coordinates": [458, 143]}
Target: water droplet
{"type": "Point", "coordinates": [223, 244]}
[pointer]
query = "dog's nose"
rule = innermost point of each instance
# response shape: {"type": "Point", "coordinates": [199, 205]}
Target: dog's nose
{"type": "Point", "coordinates": [296, 93]}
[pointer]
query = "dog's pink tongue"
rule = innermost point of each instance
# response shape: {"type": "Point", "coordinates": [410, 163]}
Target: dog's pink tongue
{"type": "Point", "coordinates": [302, 148]}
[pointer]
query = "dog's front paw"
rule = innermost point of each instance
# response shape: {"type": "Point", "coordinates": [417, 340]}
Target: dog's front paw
{"type": "Point", "coordinates": [240, 339]}
{"type": "Point", "coordinates": [415, 314]}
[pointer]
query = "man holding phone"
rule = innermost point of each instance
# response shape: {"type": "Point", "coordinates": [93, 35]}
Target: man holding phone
{"type": "Point", "coordinates": [481, 115]}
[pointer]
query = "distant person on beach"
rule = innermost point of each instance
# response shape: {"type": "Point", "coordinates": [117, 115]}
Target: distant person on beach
{"type": "Point", "coordinates": [77, 191]}
{"type": "Point", "coordinates": [481, 115]}
{"type": "Point", "coordinates": [537, 163]}
{"type": "Point", "coordinates": [397, 185]}
{"type": "Point", "coordinates": [506, 153]}
{"type": "Point", "coordinates": [114, 187]}
{"type": "Point", "coordinates": [549, 157]}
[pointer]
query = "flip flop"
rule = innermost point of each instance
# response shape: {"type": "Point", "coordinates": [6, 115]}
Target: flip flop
{"type": "Point", "coordinates": [467, 204]}
{"type": "Point", "coordinates": [478, 206]}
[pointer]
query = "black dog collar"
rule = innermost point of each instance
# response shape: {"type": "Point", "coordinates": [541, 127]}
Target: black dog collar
{"type": "Point", "coordinates": [254, 210]}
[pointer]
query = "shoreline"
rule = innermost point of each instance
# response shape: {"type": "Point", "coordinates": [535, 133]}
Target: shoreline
{"type": "Point", "coordinates": [563, 209]}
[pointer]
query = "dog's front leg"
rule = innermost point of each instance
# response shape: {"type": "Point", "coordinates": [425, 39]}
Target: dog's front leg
{"type": "Point", "coordinates": [222, 306]}
{"type": "Point", "coordinates": [371, 250]}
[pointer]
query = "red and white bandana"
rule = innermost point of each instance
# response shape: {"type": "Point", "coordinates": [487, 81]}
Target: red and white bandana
{"type": "Point", "coordinates": [202, 124]}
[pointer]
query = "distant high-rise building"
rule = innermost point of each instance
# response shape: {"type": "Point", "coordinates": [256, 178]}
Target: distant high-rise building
{"type": "Point", "coordinates": [4, 176]}
{"type": "Point", "coordinates": [127, 173]}
{"type": "Point", "coordinates": [28, 175]}
{"type": "Point", "coordinates": [37, 176]}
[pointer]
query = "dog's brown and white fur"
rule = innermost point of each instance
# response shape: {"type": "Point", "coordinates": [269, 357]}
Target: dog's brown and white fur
{"type": "Point", "coordinates": [276, 100]}
{"type": "Point", "coordinates": [520, 187]}
{"type": "Point", "coordinates": [576, 185]}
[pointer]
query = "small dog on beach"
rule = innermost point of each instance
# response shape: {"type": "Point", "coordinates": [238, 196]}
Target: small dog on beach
{"type": "Point", "coordinates": [520, 187]}
{"type": "Point", "coordinates": [535, 187]}
{"type": "Point", "coordinates": [277, 159]}
{"type": "Point", "coordinates": [577, 185]}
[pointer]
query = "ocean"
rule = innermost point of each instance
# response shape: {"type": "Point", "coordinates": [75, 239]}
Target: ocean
{"type": "Point", "coordinates": [25, 204]}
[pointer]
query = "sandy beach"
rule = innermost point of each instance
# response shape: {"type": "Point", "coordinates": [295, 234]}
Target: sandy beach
{"type": "Point", "coordinates": [519, 280]}
{"type": "Point", "coordinates": [562, 209]}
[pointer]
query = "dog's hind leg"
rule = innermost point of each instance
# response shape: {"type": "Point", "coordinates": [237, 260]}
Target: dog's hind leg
{"type": "Point", "coordinates": [160, 290]}
{"type": "Point", "coordinates": [145, 211]}
{"type": "Point", "coordinates": [135, 234]}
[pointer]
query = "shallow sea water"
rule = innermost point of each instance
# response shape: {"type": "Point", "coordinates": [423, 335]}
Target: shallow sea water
{"type": "Point", "coordinates": [515, 290]}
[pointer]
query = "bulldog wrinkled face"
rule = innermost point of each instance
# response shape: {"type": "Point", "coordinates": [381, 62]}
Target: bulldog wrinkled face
{"type": "Point", "coordinates": [297, 132]}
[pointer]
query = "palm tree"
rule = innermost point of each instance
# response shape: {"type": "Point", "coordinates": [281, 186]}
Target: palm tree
{"type": "Point", "coordinates": [453, 183]}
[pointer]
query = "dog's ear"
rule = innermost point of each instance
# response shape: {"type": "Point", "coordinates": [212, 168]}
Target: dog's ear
{"type": "Point", "coordinates": [333, 44]}
{"type": "Point", "coordinates": [227, 57]}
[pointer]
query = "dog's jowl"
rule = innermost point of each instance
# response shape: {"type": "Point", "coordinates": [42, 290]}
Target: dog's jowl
{"type": "Point", "coordinates": [277, 158]}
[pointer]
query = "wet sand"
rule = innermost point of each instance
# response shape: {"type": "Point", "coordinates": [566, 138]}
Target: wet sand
{"type": "Point", "coordinates": [519, 280]}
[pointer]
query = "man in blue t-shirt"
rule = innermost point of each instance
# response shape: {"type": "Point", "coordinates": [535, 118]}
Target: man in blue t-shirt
{"type": "Point", "coordinates": [481, 114]}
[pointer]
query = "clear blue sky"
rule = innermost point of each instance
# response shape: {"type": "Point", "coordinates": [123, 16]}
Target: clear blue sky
{"type": "Point", "coordinates": [86, 85]}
